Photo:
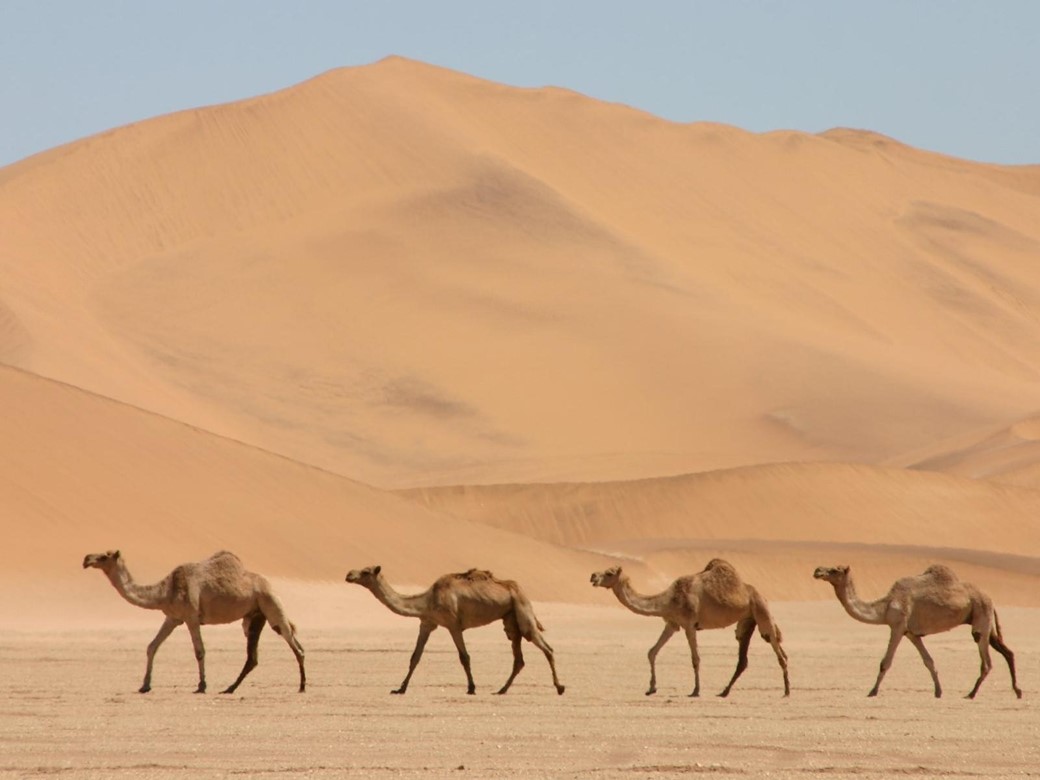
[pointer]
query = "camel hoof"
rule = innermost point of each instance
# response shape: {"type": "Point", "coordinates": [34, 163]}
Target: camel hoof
{"type": "Point", "coordinates": [397, 691]}
{"type": "Point", "coordinates": [651, 692]}
{"type": "Point", "coordinates": [1018, 693]}
{"type": "Point", "coordinates": [872, 694]}
{"type": "Point", "coordinates": [225, 691]}
{"type": "Point", "coordinates": [471, 692]}
{"type": "Point", "coordinates": [560, 689]}
{"type": "Point", "coordinates": [722, 694]}
{"type": "Point", "coordinates": [695, 695]}
{"type": "Point", "coordinates": [146, 688]}
{"type": "Point", "coordinates": [302, 688]}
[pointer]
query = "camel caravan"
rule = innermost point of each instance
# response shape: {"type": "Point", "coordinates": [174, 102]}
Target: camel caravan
{"type": "Point", "coordinates": [221, 590]}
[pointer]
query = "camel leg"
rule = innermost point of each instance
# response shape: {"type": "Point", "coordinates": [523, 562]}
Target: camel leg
{"type": "Point", "coordinates": [256, 625]}
{"type": "Point", "coordinates": [456, 635]}
{"type": "Point", "coordinates": [164, 631]}
{"type": "Point", "coordinates": [200, 654]}
{"type": "Point", "coordinates": [781, 657]}
{"type": "Point", "coordinates": [745, 630]}
{"type": "Point", "coordinates": [668, 633]}
{"type": "Point", "coordinates": [425, 629]}
{"type": "Point", "coordinates": [691, 637]}
{"type": "Point", "coordinates": [982, 639]}
{"type": "Point", "coordinates": [886, 662]}
{"type": "Point", "coordinates": [929, 664]}
{"type": "Point", "coordinates": [518, 664]}
{"type": "Point", "coordinates": [288, 632]}
{"type": "Point", "coordinates": [998, 644]}
{"type": "Point", "coordinates": [539, 641]}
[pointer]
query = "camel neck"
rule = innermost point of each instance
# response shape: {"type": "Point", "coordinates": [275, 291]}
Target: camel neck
{"type": "Point", "coordinates": [145, 596]}
{"type": "Point", "coordinates": [408, 606]}
{"type": "Point", "coordinates": [638, 603]}
{"type": "Point", "coordinates": [866, 612]}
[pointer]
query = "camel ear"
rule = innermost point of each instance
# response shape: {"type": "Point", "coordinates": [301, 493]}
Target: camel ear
{"type": "Point", "coordinates": [843, 569]}
{"type": "Point", "coordinates": [376, 569]}
{"type": "Point", "coordinates": [615, 570]}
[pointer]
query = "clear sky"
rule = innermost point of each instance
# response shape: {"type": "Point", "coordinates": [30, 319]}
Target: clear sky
{"type": "Point", "coordinates": [952, 76]}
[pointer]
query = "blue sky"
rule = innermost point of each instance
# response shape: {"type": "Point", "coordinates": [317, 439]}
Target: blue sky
{"type": "Point", "coordinates": [957, 77]}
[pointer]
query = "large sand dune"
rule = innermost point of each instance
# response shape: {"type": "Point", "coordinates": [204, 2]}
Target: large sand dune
{"type": "Point", "coordinates": [410, 276]}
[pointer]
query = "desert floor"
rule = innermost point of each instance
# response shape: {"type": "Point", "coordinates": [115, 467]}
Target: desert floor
{"type": "Point", "coordinates": [70, 708]}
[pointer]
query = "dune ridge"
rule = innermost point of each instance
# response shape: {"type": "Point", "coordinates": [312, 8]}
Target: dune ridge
{"type": "Point", "coordinates": [436, 278]}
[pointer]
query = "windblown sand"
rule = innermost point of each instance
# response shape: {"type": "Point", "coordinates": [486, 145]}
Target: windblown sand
{"type": "Point", "coordinates": [396, 315]}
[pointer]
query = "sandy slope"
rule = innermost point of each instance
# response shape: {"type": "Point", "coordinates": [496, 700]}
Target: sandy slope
{"type": "Point", "coordinates": [778, 522]}
{"type": "Point", "coordinates": [1008, 454]}
{"type": "Point", "coordinates": [409, 275]}
{"type": "Point", "coordinates": [81, 474]}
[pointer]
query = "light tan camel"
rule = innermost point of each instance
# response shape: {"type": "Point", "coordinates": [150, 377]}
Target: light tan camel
{"type": "Point", "coordinates": [460, 601]}
{"type": "Point", "coordinates": [216, 590]}
{"type": "Point", "coordinates": [713, 598]}
{"type": "Point", "coordinates": [928, 603]}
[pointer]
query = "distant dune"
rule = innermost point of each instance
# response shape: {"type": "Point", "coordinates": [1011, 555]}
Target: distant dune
{"type": "Point", "coordinates": [777, 522]}
{"type": "Point", "coordinates": [629, 339]}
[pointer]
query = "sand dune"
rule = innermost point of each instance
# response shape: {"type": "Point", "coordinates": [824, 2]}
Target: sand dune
{"type": "Point", "coordinates": [407, 276]}
{"type": "Point", "coordinates": [410, 276]}
{"type": "Point", "coordinates": [1008, 453]}
{"type": "Point", "coordinates": [778, 522]}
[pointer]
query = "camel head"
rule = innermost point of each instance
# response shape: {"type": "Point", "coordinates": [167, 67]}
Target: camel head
{"type": "Point", "coordinates": [834, 576]}
{"type": "Point", "coordinates": [103, 561]}
{"type": "Point", "coordinates": [366, 576]}
{"type": "Point", "coordinates": [607, 578]}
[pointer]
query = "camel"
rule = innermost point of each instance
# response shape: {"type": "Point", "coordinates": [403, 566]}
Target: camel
{"type": "Point", "coordinates": [216, 590]}
{"type": "Point", "coordinates": [713, 598]}
{"type": "Point", "coordinates": [460, 601]}
{"type": "Point", "coordinates": [928, 603]}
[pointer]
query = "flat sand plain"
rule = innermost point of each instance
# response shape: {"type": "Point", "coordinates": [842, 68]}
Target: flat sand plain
{"type": "Point", "coordinates": [70, 707]}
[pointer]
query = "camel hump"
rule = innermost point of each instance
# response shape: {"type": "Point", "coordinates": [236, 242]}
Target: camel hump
{"type": "Point", "coordinates": [941, 573]}
{"type": "Point", "coordinates": [718, 563]}
{"type": "Point", "coordinates": [722, 583]}
{"type": "Point", "coordinates": [225, 558]}
{"type": "Point", "coordinates": [475, 575]}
